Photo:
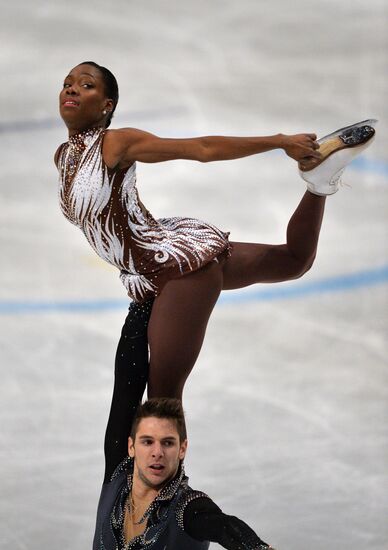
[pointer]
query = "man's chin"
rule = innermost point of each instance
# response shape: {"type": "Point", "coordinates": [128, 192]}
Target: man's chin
{"type": "Point", "coordinates": [155, 481]}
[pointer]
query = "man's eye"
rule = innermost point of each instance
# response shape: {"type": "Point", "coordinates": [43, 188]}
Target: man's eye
{"type": "Point", "coordinates": [168, 443]}
{"type": "Point", "coordinates": [87, 85]}
{"type": "Point", "coordinates": [66, 84]}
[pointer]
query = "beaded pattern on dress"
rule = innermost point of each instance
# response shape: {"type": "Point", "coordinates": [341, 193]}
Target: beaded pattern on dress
{"type": "Point", "coordinates": [105, 205]}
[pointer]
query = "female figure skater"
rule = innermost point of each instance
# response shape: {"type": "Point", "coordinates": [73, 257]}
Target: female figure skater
{"type": "Point", "coordinates": [181, 263]}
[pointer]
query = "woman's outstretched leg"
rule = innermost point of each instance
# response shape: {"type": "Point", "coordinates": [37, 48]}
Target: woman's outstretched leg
{"type": "Point", "coordinates": [177, 328]}
{"type": "Point", "coordinates": [252, 263]}
{"type": "Point", "coordinates": [180, 314]}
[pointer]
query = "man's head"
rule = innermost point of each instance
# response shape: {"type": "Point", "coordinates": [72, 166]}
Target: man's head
{"type": "Point", "coordinates": [158, 441]}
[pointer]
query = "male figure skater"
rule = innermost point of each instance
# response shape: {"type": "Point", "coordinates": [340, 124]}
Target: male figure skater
{"type": "Point", "coordinates": [146, 502]}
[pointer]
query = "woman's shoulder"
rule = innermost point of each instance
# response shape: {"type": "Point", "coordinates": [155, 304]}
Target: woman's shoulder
{"type": "Point", "coordinates": [115, 146]}
{"type": "Point", "coordinates": [122, 137]}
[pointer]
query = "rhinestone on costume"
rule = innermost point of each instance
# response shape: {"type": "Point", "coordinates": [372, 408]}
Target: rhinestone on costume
{"type": "Point", "coordinates": [154, 526]}
{"type": "Point", "coordinates": [105, 205]}
{"type": "Point", "coordinates": [187, 497]}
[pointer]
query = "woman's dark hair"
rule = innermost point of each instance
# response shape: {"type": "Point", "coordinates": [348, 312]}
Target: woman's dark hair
{"type": "Point", "coordinates": [111, 86]}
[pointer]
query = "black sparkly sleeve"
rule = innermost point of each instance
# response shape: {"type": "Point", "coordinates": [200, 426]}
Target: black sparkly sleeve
{"type": "Point", "coordinates": [131, 375]}
{"type": "Point", "coordinates": [204, 520]}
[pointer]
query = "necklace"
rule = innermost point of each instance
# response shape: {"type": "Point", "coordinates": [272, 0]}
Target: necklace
{"type": "Point", "coordinates": [132, 528]}
{"type": "Point", "coordinates": [131, 508]}
{"type": "Point", "coordinates": [130, 503]}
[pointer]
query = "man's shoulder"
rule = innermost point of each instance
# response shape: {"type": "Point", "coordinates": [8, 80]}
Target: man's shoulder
{"type": "Point", "coordinates": [119, 479]}
{"type": "Point", "coordinates": [124, 469]}
{"type": "Point", "coordinates": [187, 496]}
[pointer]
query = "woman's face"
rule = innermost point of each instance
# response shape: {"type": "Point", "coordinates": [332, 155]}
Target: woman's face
{"type": "Point", "coordinates": [82, 99]}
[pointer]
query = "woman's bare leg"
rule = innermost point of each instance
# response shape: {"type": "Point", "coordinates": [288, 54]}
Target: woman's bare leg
{"type": "Point", "coordinates": [177, 328]}
{"type": "Point", "coordinates": [252, 263]}
{"type": "Point", "coordinates": [180, 314]}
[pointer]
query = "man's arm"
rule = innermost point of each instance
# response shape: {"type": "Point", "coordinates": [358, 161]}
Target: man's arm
{"type": "Point", "coordinates": [204, 520]}
{"type": "Point", "coordinates": [127, 145]}
{"type": "Point", "coordinates": [131, 375]}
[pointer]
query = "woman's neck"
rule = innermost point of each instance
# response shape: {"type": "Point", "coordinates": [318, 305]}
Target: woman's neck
{"type": "Point", "coordinates": [79, 131]}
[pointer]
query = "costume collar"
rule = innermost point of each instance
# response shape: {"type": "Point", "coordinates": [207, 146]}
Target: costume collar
{"type": "Point", "coordinates": [86, 136]}
{"type": "Point", "coordinates": [167, 493]}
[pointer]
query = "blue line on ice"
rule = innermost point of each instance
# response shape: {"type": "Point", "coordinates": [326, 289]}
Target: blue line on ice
{"type": "Point", "coordinates": [264, 293]}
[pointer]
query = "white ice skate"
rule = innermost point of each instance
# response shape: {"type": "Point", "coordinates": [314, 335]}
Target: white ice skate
{"type": "Point", "coordinates": [338, 150]}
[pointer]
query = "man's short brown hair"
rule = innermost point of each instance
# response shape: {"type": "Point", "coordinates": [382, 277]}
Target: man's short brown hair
{"type": "Point", "coordinates": [162, 407]}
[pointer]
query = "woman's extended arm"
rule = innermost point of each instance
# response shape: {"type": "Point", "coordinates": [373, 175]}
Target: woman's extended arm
{"type": "Point", "coordinates": [125, 146]}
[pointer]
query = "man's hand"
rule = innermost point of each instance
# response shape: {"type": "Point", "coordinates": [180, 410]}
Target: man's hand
{"type": "Point", "coordinates": [301, 146]}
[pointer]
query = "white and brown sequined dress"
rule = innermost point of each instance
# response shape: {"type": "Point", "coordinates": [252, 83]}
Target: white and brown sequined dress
{"type": "Point", "coordinates": [104, 204]}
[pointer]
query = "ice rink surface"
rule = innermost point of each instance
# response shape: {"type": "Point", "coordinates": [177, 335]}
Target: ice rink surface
{"type": "Point", "coordinates": [287, 405]}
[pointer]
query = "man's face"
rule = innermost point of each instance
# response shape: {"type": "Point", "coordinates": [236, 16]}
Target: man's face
{"type": "Point", "coordinates": [157, 451]}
